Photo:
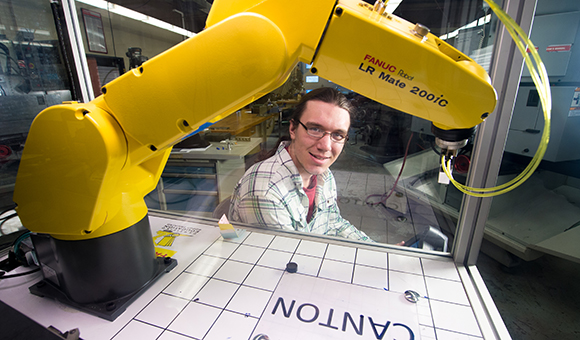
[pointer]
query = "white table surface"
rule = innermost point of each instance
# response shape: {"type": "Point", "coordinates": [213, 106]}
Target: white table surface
{"type": "Point", "coordinates": [238, 289]}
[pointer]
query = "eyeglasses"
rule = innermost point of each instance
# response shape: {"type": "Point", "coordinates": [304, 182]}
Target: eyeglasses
{"type": "Point", "coordinates": [315, 132]}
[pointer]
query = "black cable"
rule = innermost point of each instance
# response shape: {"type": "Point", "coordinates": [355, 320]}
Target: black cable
{"type": "Point", "coordinates": [434, 149]}
{"type": "Point", "coordinates": [16, 246]}
{"type": "Point", "coordinates": [385, 196]}
{"type": "Point", "coordinates": [104, 82]}
{"type": "Point", "coordinates": [2, 276]}
{"type": "Point", "coordinates": [9, 58]}
{"type": "Point", "coordinates": [573, 226]}
{"type": "Point", "coordinates": [6, 245]}
{"type": "Point", "coordinates": [9, 66]}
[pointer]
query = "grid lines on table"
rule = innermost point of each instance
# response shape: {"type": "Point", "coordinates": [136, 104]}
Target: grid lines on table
{"type": "Point", "coordinates": [231, 283]}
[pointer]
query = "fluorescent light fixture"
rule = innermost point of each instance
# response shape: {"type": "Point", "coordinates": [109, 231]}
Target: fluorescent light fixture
{"type": "Point", "coordinates": [312, 79]}
{"type": "Point", "coordinates": [5, 41]}
{"type": "Point", "coordinates": [129, 13]}
{"type": "Point", "coordinates": [24, 29]}
{"type": "Point", "coordinates": [476, 23]}
{"type": "Point", "coordinates": [32, 30]}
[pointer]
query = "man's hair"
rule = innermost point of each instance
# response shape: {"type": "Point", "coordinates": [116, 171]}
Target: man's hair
{"type": "Point", "coordinates": [324, 94]}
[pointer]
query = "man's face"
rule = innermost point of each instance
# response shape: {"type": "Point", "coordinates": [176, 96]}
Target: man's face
{"type": "Point", "coordinates": [311, 155]}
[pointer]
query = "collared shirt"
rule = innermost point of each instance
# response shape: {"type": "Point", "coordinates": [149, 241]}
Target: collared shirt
{"type": "Point", "coordinates": [271, 194]}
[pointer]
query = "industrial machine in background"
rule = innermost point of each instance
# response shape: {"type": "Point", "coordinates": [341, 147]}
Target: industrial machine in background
{"type": "Point", "coordinates": [85, 202]}
{"type": "Point", "coordinates": [543, 217]}
{"type": "Point", "coordinates": [32, 78]}
{"type": "Point", "coordinates": [380, 132]}
{"type": "Point", "coordinates": [555, 35]}
{"type": "Point", "coordinates": [136, 59]}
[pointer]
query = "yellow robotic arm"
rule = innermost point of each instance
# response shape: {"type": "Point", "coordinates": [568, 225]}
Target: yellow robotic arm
{"type": "Point", "coordinates": [86, 167]}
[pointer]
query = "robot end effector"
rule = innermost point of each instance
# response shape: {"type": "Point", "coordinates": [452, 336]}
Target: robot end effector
{"type": "Point", "coordinates": [450, 141]}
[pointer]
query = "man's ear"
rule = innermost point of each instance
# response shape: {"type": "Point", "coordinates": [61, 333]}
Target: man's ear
{"type": "Point", "coordinates": [292, 129]}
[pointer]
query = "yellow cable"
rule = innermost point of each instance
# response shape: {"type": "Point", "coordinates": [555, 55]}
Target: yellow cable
{"type": "Point", "coordinates": [540, 79]}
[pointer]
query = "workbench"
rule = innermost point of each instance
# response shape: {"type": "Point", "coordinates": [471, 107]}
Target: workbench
{"type": "Point", "coordinates": [244, 123]}
{"type": "Point", "coordinates": [240, 289]}
{"type": "Point", "coordinates": [198, 179]}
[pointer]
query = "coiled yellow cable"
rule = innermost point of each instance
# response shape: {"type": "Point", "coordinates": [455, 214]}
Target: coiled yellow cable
{"type": "Point", "coordinates": [540, 78]}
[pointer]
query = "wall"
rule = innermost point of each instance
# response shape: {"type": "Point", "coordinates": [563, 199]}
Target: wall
{"type": "Point", "coordinates": [122, 33]}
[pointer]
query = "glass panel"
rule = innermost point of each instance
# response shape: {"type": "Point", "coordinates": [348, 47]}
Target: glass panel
{"type": "Point", "coordinates": [204, 169]}
{"type": "Point", "coordinates": [121, 35]}
{"type": "Point", "coordinates": [533, 230]}
{"type": "Point", "coordinates": [541, 216]}
{"type": "Point", "coordinates": [33, 76]}
{"type": "Point", "coordinates": [398, 150]}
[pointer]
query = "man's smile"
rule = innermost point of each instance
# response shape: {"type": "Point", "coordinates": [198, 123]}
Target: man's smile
{"type": "Point", "coordinates": [322, 158]}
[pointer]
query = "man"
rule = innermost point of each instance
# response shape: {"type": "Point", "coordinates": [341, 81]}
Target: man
{"type": "Point", "coordinates": [294, 189]}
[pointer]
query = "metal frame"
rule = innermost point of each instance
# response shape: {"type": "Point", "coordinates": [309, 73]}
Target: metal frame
{"type": "Point", "coordinates": [79, 55]}
{"type": "Point", "coordinates": [506, 69]}
{"type": "Point", "coordinates": [482, 303]}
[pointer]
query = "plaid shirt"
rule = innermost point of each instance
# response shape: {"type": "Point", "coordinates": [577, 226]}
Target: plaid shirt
{"type": "Point", "coordinates": [270, 194]}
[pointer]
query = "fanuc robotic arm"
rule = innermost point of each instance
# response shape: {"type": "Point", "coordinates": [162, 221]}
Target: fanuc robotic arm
{"type": "Point", "coordinates": [86, 167]}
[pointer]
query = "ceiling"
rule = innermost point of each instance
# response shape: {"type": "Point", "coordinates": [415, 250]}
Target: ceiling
{"type": "Point", "coordinates": [440, 16]}
{"type": "Point", "coordinates": [194, 11]}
